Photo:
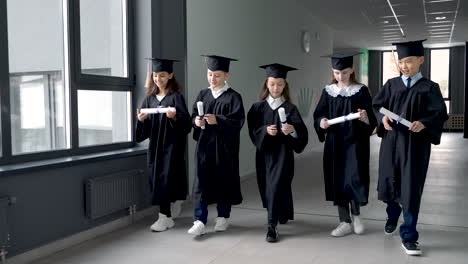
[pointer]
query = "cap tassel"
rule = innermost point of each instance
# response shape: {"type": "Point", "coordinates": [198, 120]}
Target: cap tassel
{"type": "Point", "coordinates": [149, 79]}
{"type": "Point", "coordinates": [395, 60]}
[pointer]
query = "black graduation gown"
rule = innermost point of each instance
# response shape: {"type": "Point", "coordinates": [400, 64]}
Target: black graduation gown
{"type": "Point", "coordinates": [217, 152]}
{"type": "Point", "coordinates": [166, 150]}
{"type": "Point", "coordinates": [346, 150]}
{"type": "Point", "coordinates": [275, 157]}
{"type": "Point", "coordinates": [404, 155]}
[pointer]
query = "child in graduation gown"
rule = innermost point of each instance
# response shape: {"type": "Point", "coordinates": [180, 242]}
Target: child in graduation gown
{"type": "Point", "coordinates": [346, 150]}
{"type": "Point", "coordinates": [217, 133]}
{"type": "Point", "coordinates": [275, 146]}
{"type": "Point", "coordinates": [167, 135]}
{"type": "Point", "coordinates": [404, 152]}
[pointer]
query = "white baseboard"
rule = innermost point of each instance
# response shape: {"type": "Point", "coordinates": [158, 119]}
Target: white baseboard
{"type": "Point", "coordinates": [79, 238]}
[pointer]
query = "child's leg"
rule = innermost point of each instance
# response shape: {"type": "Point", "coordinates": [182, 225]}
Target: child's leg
{"type": "Point", "coordinates": [201, 212]}
{"type": "Point", "coordinates": [272, 220]}
{"type": "Point", "coordinates": [393, 211]}
{"type": "Point", "coordinates": [355, 208]}
{"type": "Point", "coordinates": [343, 212]}
{"type": "Point", "coordinates": [408, 232]}
{"type": "Point", "coordinates": [345, 226]}
{"type": "Point", "coordinates": [165, 209]}
{"type": "Point", "coordinates": [224, 210]}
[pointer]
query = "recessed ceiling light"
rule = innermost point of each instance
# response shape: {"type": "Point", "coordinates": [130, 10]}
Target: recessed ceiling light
{"type": "Point", "coordinates": [385, 22]}
{"type": "Point", "coordinates": [440, 18]}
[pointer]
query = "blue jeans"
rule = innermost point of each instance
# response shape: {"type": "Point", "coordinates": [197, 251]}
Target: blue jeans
{"type": "Point", "coordinates": [408, 232]}
{"type": "Point", "coordinates": [201, 211]}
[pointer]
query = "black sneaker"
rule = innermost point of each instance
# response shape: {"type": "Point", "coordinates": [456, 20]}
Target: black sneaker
{"type": "Point", "coordinates": [390, 227]}
{"type": "Point", "coordinates": [411, 248]}
{"type": "Point", "coordinates": [272, 234]}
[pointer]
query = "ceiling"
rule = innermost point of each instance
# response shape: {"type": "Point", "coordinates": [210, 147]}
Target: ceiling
{"type": "Point", "coordinates": [375, 24]}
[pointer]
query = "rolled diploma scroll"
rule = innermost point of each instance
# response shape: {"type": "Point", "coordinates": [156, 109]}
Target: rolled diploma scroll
{"type": "Point", "coordinates": [160, 110]}
{"type": "Point", "coordinates": [282, 117]}
{"type": "Point", "coordinates": [394, 116]}
{"type": "Point", "coordinates": [200, 111]}
{"type": "Point", "coordinates": [342, 119]}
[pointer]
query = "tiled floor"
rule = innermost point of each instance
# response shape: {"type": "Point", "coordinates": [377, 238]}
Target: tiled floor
{"type": "Point", "coordinates": [443, 225]}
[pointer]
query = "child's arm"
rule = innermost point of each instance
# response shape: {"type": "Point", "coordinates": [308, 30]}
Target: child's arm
{"type": "Point", "coordinates": [197, 129]}
{"type": "Point", "coordinates": [231, 123]}
{"type": "Point", "coordinates": [302, 134]}
{"type": "Point", "coordinates": [381, 100]}
{"type": "Point", "coordinates": [321, 112]}
{"type": "Point", "coordinates": [366, 104]}
{"type": "Point", "coordinates": [182, 122]}
{"type": "Point", "coordinates": [142, 128]}
{"type": "Point", "coordinates": [257, 130]}
{"type": "Point", "coordinates": [435, 116]}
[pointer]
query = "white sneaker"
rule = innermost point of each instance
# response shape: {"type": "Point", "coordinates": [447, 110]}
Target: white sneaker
{"type": "Point", "coordinates": [358, 226]}
{"type": "Point", "coordinates": [221, 224]}
{"type": "Point", "coordinates": [162, 224]}
{"type": "Point", "coordinates": [176, 208]}
{"type": "Point", "coordinates": [197, 229]}
{"type": "Point", "coordinates": [342, 230]}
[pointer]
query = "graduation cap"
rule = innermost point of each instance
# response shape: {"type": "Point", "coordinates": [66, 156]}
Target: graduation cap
{"type": "Point", "coordinates": [410, 48]}
{"type": "Point", "coordinates": [160, 65]}
{"type": "Point", "coordinates": [218, 63]}
{"type": "Point", "coordinates": [277, 70]}
{"type": "Point", "coordinates": [342, 60]}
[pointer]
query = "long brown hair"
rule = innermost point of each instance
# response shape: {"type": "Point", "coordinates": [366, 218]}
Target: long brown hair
{"type": "Point", "coordinates": [173, 85]}
{"type": "Point", "coordinates": [264, 91]}
{"type": "Point", "coordinates": [352, 79]}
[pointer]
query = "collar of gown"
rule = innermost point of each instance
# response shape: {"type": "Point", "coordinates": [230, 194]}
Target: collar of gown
{"type": "Point", "coordinates": [333, 90]}
{"type": "Point", "coordinates": [275, 103]}
{"type": "Point", "coordinates": [219, 92]}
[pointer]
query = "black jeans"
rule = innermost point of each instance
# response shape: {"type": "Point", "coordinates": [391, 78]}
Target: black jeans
{"type": "Point", "coordinates": [408, 232]}
{"type": "Point", "coordinates": [343, 211]}
{"type": "Point", "coordinates": [165, 209]}
{"type": "Point", "coordinates": [201, 211]}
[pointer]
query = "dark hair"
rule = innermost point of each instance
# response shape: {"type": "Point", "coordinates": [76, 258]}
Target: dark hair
{"type": "Point", "coordinates": [352, 79]}
{"type": "Point", "coordinates": [172, 86]}
{"type": "Point", "coordinates": [264, 91]}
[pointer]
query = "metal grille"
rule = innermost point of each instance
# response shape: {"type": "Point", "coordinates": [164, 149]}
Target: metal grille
{"type": "Point", "coordinates": [111, 193]}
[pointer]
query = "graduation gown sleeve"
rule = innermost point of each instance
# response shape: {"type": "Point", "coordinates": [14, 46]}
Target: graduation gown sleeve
{"type": "Point", "coordinates": [143, 129]}
{"type": "Point", "coordinates": [257, 129]}
{"type": "Point", "coordinates": [436, 114]}
{"type": "Point", "coordinates": [231, 123]}
{"type": "Point", "coordinates": [300, 142]}
{"type": "Point", "coordinates": [321, 111]}
{"type": "Point", "coordinates": [381, 99]}
{"type": "Point", "coordinates": [182, 124]}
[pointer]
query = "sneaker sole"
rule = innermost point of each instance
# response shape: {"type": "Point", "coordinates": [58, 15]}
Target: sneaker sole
{"type": "Point", "coordinates": [196, 234]}
{"type": "Point", "coordinates": [167, 228]}
{"type": "Point", "coordinates": [389, 234]}
{"type": "Point", "coordinates": [412, 252]}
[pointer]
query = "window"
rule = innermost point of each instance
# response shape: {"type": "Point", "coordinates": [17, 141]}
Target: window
{"type": "Point", "coordinates": [62, 97]}
{"type": "Point", "coordinates": [103, 117]}
{"type": "Point", "coordinates": [440, 72]}
{"type": "Point", "coordinates": [103, 37]}
{"type": "Point", "coordinates": [389, 66]}
{"type": "Point", "coordinates": [38, 96]}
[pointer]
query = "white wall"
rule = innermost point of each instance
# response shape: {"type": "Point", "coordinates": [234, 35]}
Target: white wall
{"type": "Point", "coordinates": [256, 33]}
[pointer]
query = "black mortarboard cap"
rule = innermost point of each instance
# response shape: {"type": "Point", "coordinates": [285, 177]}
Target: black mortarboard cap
{"type": "Point", "coordinates": [160, 65]}
{"type": "Point", "coordinates": [410, 48]}
{"type": "Point", "coordinates": [277, 70]}
{"type": "Point", "coordinates": [342, 60]}
{"type": "Point", "coordinates": [218, 63]}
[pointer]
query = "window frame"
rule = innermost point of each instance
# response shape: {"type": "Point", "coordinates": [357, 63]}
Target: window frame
{"type": "Point", "coordinates": [381, 80]}
{"type": "Point", "coordinates": [449, 98]}
{"type": "Point", "coordinates": [76, 81]}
